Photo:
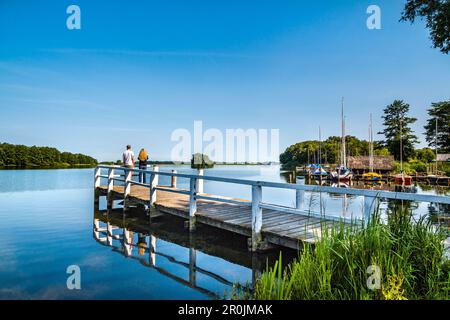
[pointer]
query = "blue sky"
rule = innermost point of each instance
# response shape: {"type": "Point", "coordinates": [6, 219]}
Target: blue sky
{"type": "Point", "coordinates": [138, 70]}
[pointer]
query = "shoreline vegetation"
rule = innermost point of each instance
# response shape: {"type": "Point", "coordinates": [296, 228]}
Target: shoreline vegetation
{"type": "Point", "coordinates": [399, 141]}
{"type": "Point", "coordinates": [397, 259]}
{"type": "Point", "coordinates": [24, 157]}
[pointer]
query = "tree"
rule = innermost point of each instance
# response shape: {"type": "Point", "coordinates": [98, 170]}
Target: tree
{"type": "Point", "coordinates": [425, 155]}
{"type": "Point", "coordinates": [437, 15]}
{"type": "Point", "coordinates": [439, 111]}
{"type": "Point", "coordinates": [396, 123]}
{"type": "Point", "coordinates": [201, 161]}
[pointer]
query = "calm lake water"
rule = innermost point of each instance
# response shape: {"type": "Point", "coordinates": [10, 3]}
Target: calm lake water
{"type": "Point", "coordinates": [48, 220]}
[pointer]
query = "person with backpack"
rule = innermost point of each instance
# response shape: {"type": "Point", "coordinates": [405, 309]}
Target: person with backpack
{"type": "Point", "coordinates": [143, 158]}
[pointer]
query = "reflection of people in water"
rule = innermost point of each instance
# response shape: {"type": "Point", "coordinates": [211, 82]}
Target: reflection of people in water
{"type": "Point", "coordinates": [142, 244]}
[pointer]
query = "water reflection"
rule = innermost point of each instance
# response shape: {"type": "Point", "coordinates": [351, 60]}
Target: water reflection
{"type": "Point", "coordinates": [135, 238]}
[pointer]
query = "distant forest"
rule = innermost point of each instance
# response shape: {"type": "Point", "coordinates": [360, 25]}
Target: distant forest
{"type": "Point", "coordinates": [21, 156]}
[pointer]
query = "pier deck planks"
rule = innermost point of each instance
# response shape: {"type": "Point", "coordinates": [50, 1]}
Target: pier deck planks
{"type": "Point", "coordinates": [280, 228]}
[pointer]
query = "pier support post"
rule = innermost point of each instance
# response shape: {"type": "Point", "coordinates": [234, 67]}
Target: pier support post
{"type": "Point", "coordinates": [192, 266]}
{"type": "Point", "coordinates": [152, 250]}
{"type": "Point", "coordinates": [192, 203]}
{"type": "Point", "coordinates": [200, 172]}
{"type": "Point", "coordinates": [256, 217]}
{"type": "Point", "coordinates": [370, 205]}
{"type": "Point", "coordinates": [173, 181]}
{"type": "Point", "coordinates": [109, 195]}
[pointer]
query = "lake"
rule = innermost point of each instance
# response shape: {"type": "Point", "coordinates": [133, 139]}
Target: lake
{"type": "Point", "coordinates": [48, 223]}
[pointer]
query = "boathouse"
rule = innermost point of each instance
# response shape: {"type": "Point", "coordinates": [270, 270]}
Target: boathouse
{"type": "Point", "coordinates": [381, 164]}
{"type": "Point", "coordinates": [443, 157]}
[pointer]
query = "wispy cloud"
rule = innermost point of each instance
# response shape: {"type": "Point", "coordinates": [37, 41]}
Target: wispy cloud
{"type": "Point", "coordinates": [61, 102]}
{"type": "Point", "coordinates": [200, 54]}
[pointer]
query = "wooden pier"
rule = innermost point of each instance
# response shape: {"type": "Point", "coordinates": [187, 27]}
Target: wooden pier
{"type": "Point", "coordinates": [265, 224]}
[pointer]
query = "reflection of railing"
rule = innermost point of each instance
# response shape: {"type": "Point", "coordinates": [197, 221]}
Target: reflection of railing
{"type": "Point", "coordinates": [195, 193]}
{"type": "Point", "coordinates": [127, 245]}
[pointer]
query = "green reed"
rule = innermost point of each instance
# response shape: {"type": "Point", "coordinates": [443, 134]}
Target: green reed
{"type": "Point", "coordinates": [408, 253]}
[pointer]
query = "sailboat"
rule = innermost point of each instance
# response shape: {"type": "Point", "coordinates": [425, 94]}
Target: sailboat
{"type": "Point", "coordinates": [402, 178]}
{"type": "Point", "coordinates": [342, 173]}
{"type": "Point", "coordinates": [317, 170]}
{"type": "Point", "coordinates": [371, 175]}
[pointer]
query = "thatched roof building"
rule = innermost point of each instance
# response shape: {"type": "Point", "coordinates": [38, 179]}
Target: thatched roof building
{"type": "Point", "coordinates": [443, 157]}
{"type": "Point", "coordinates": [362, 163]}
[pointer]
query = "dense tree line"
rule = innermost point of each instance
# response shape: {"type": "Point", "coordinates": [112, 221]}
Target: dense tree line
{"type": "Point", "coordinates": [327, 151]}
{"type": "Point", "coordinates": [24, 156]}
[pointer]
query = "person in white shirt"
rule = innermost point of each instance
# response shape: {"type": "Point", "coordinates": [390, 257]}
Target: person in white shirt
{"type": "Point", "coordinates": [128, 158]}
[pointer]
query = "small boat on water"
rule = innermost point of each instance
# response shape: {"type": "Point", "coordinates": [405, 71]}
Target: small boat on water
{"type": "Point", "coordinates": [342, 173]}
{"type": "Point", "coordinates": [402, 179]}
{"type": "Point", "coordinates": [372, 176]}
{"type": "Point", "coordinates": [318, 172]}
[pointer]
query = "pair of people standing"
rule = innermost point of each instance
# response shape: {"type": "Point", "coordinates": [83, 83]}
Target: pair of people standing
{"type": "Point", "coordinates": [129, 161]}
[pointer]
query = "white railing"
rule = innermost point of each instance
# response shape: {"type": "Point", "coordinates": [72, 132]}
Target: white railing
{"type": "Point", "coordinates": [371, 197]}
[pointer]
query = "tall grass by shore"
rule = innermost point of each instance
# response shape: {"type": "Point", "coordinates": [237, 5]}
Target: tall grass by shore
{"type": "Point", "coordinates": [344, 264]}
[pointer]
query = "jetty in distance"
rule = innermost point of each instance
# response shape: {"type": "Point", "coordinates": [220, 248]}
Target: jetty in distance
{"type": "Point", "coordinates": [264, 224]}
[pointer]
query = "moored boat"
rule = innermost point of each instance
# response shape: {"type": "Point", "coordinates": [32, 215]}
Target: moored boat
{"type": "Point", "coordinates": [372, 176]}
{"type": "Point", "coordinates": [403, 179]}
{"type": "Point", "coordinates": [342, 173]}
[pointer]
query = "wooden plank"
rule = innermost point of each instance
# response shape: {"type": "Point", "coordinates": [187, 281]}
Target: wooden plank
{"type": "Point", "coordinates": [286, 226]}
{"type": "Point", "coordinates": [281, 218]}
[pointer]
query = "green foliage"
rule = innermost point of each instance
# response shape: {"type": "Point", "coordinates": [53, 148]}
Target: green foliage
{"type": "Point", "coordinates": [409, 255]}
{"type": "Point", "coordinates": [396, 126]}
{"type": "Point", "coordinates": [307, 152]}
{"type": "Point", "coordinates": [22, 156]}
{"type": "Point", "coordinates": [437, 16]}
{"type": "Point", "coordinates": [417, 166]}
{"type": "Point", "coordinates": [201, 161]}
{"type": "Point", "coordinates": [444, 166]}
{"type": "Point", "coordinates": [426, 155]}
{"type": "Point", "coordinates": [441, 112]}
{"type": "Point", "coordinates": [382, 152]}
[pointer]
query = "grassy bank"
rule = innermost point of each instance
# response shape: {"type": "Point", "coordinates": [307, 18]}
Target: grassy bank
{"type": "Point", "coordinates": [407, 254]}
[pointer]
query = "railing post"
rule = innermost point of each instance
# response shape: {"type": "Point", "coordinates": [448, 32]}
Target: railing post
{"type": "Point", "coordinates": [256, 216]}
{"type": "Point", "coordinates": [192, 203]}
{"type": "Point", "coordinates": [173, 181]}
{"type": "Point", "coordinates": [97, 177]}
{"type": "Point", "coordinates": [299, 194]}
{"type": "Point", "coordinates": [200, 181]}
{"type": "Point", "coordinates": [370, 204]}
{"type": "Point", "coordinates": [127, 186]}
{"type": "Point", "coordinates": [299, 199]}
{"type": "Point", "coordinates": [153, 184]}
{"type": "Point", "coordinates": [110, 187]}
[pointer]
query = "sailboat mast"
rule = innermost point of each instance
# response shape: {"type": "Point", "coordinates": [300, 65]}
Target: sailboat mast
{"type": "Point", "coordinates": [343, 152]}
{"type": "Point", "coordinates": [401, 145]}
{"type": "Point", "coordinates": [436, 142]}
{"type": "Point", "coordinates": [371, 144]}
{"type": "Point", "coordinates": [320, 146]}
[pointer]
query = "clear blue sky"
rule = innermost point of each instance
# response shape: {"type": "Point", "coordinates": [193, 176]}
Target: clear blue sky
{"type": "Point", "coordinates": [138, 70]}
